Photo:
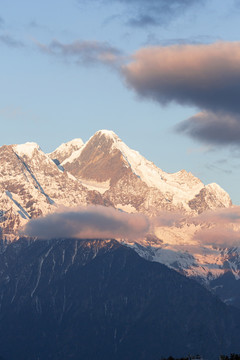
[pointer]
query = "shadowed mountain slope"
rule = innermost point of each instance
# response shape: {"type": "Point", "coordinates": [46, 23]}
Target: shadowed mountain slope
{"type": "Point", "coordinates": [81, 299]}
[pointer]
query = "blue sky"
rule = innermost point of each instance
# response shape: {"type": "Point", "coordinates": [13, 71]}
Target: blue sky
{"type": "Point", "coordinates": [61, 78]}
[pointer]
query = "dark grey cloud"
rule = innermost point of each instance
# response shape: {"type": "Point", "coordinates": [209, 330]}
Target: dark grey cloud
{"type": "Point", "coordinates": [206, 76]}
{"type": "Point", "coordinates": [214, 128]}
{"type": "Point", "coordinates": [88, 222]}
{"type": "Point", "coordinates": [83, 52]}
{"type": "Point", "coordinates": [11, 41]}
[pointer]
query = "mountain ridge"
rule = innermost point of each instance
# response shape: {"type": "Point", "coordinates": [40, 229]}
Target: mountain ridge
{"type": "Point", "coordinates": [98, 299]}
{"type": "Point", "coordinates": [105, 171]}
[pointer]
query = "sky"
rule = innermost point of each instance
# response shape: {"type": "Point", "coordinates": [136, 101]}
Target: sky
{"type": "Point", "coordinates": [164, 75]}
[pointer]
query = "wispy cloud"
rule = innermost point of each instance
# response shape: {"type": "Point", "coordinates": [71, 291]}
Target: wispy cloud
{"type": "Point", "coordinates": [1, 22]}
{"type": "Point", "coordinates": [10, 41]}
{"type": "Point", "coordinates": [158, 12]}
{"type": "Point", "coordinates": [168, 219]}
{"type": "Point", "coordinates": [88, 222]}
{"type": "Point", "coordinates": [83, 52]}
{"type": "Point", "coordinates": [145, 13]}
{"type": "Point", "coordinates": [221, 237]}
{"type": "Point", "coordinates": [219, 228]}
{"type": "Point", "coordinates": [216, 167]}
{"type": "Point", "coordinates": [153, 40]}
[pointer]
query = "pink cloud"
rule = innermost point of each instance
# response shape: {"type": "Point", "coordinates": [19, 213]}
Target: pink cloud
{"type": "Point", "coordinates": [207, 76]}
{"type": "Point", "coordinates": [88, 222]}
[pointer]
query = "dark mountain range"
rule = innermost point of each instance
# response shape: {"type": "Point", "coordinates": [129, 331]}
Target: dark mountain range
{"type": "Point", "coordinates": [97, 299]}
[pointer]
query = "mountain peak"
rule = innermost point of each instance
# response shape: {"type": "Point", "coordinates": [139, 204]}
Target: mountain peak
{"type": "Point", "coordinates": [66, 150]}
{"type": "Point", "coordinates": [26, 149]}
{"type": "Point", "coordinates": [72, 143]}
{"type": "Point", "coordinates": [108, 133]}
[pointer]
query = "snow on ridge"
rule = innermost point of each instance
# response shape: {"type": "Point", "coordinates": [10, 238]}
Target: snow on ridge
{"type": "Point", "coordinates": [75, 154]}
{"type": "Point", "coordinates": [26, 149]}
{"type": "Point", "coordinates": [109, 133]}
{"type": "Point", "coordinates": [220, 193]}
{"type": "Point", "coordinates": [101, 187]}
{"type": "Point", "coordinates": [78, 142]}
{"type": "Point", "coordinates": [153, 176]}
{"type": "Point", "coordinates": [182, 186]}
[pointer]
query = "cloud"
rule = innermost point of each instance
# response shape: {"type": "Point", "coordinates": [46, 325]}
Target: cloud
{"type": "Point", "coordinates": [221, 216]}
{"type": "Point", "coordinates": [153, 40]}
{"type": "Point", "coordinates": [219, 228]}
{"type": "Point", "coordinates": [214, 128]}
{"type": "Point", "coordinates": [206, 76]}
{"type": "Point", "coordinates": [10, 41]}
{"type": "Point", "coordinates": [168, 219]}
{"type": "Point", "coordinates": [158, 12]}
{"type": "Point", "coordinates": [215, 167]}
{"type": "Point", "coordinates": [83, 52]}
{"type": "Point", "coordinates": [1, 22]}
{"type": "Point", "coordinates": [145, 13]}
{"type": "Point", "coordinates": [88, 222]}
{"type": "Point", "coordinates": [221, 237]}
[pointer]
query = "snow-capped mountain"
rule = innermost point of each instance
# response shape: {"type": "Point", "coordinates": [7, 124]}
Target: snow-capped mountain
{"type": "Point", "coordinates": [133, 183]}
{"type": "Point", "coordinates": [106, 171]}
{"type": "Point", "coordinates": [65, 150]}
{"type": "Point", "coordinates": [33, 185]}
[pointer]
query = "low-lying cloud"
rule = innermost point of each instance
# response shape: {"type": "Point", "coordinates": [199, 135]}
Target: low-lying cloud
{"type": "Point", "coordinates": [219, 228]}
{"type": "Point", "coordinates": [83, 52]}
{"type": "Point", "coordinates": [89, 223]}
{"type": "Point", "coordinates": [220, 237]}
{"type": "Point", "coordinates": [168, 219]}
